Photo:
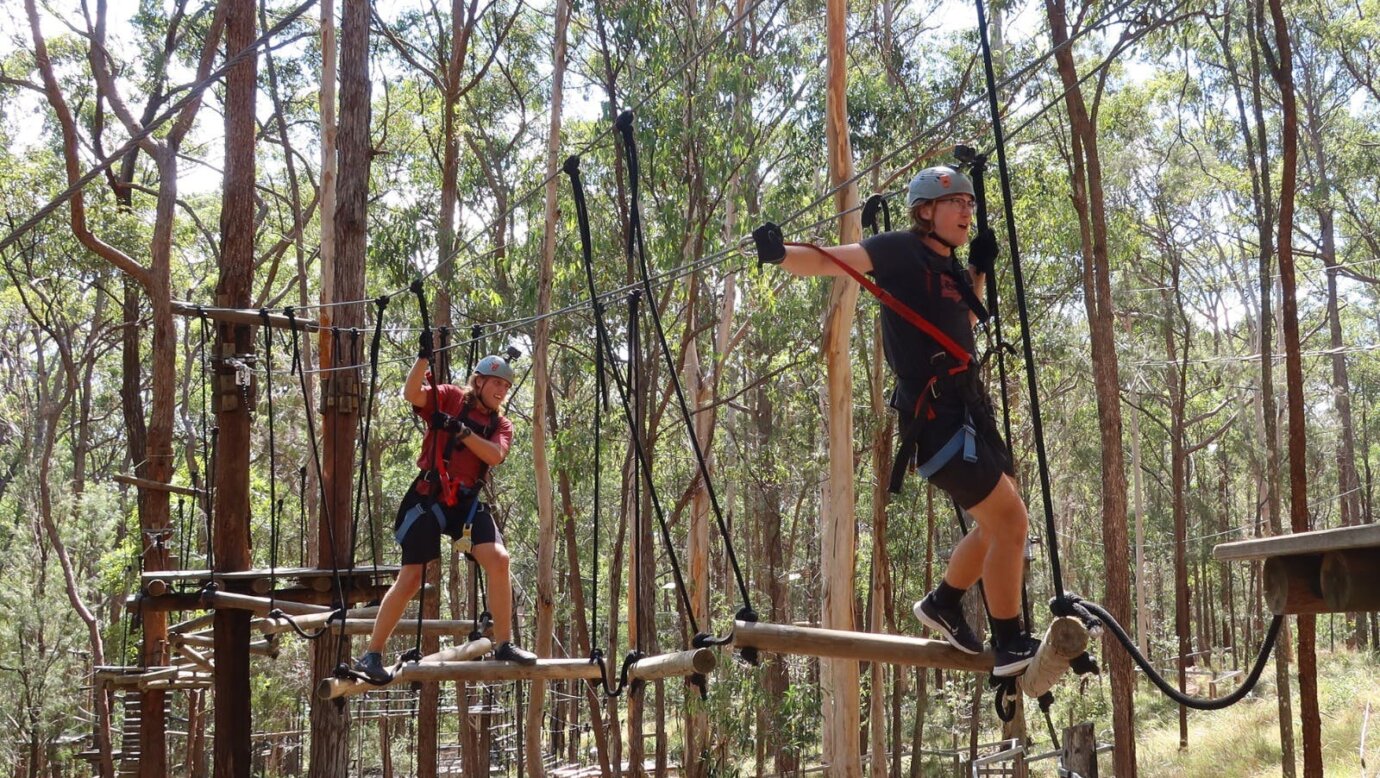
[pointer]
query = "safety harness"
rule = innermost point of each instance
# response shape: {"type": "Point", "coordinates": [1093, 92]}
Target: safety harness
{"type": "Point", "coordinates": [950, 377]}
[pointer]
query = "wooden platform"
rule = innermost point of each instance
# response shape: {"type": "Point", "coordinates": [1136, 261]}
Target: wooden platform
{"type": "Point", "coordinates": [1323, 571]}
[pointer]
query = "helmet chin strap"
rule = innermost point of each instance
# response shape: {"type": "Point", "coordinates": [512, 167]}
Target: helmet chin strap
{"type": "Point", "coordinates": [940, 238]}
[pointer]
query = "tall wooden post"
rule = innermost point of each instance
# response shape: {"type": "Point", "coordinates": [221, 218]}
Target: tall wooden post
{"type": "Point", "coordinates": [838, 540]}
{"type": "Point", "coordinates": [234, 396]}
{"type": "Point", "coordinates": [340, 391]}
{"type": "Point", "coordinates": [546, 549]}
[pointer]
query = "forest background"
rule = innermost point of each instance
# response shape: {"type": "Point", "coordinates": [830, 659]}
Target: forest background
{"type": "Point", "coordinates": [1171, 259]}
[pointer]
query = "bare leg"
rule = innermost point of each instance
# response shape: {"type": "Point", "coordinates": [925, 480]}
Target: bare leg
{"type": "Point", "coordinates": [1001, 516]}
{"type": "Point", "coordinates": [967, 559]}
{"type": "Point", "coordinates": [404, 588]}
{"type": "Point", "coordinates": [493, 557]}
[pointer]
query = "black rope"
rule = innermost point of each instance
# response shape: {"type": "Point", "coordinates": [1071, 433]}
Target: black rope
{"type": "Point", "coordinates": [302, 516]}
{"type": "Point", "coordinates": [316, 461]}
{"type": "Point", "coordinates": [272, 464]}
{"type": "Point", "coordinates": [637, 246]}
{"type": "Point", "coordinates": [1197, 703]}
{"type": "Point", "coordinates": [601, 392]}
{"type": "Point", "coordinates": [641, 462]}
{"type": "Point", "coordinates": [208, 446]}
{"type": "Point", "coordinates": [366, 419]}
{"type": "Point", "coordinates": [415, 653]}
{"type": "Point", "coordinates": [1028, 349]}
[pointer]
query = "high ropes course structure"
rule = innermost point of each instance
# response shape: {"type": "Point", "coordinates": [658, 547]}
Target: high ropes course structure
{"type": "Point", "coordinates": [1318, 572]}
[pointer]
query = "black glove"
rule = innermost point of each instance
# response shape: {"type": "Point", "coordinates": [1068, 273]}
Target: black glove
{"type": "Point", "coordinates": [983, 251]}
{"type": "Point", "coordinates": [424, 345]}
{"type": "Point", "coordinates": [771, 244]}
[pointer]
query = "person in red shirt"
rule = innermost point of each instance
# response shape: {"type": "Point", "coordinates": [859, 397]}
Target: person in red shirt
{"type": "Point", "coordinates": [466, 436]}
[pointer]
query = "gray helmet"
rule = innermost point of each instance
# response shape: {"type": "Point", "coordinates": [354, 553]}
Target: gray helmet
{"type": "Point", "coordinates": [496, 366]}
{"type": "Point", "coordinates": [933, 183]}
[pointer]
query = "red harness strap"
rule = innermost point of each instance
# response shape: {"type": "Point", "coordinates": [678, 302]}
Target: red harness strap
{"type": "Point", "coordinates": [960, 354]}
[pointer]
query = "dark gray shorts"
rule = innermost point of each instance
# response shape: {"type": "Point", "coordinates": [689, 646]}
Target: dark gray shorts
{"type": "Point", "coordinates": [969, 483]}
{"type": "Point", "coordinates": [422, 519]}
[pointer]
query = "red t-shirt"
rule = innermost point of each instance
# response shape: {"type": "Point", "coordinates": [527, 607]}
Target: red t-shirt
{"type": "Point", "coordinates": [464, 465]}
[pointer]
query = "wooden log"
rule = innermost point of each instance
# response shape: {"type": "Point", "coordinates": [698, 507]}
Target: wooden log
{"type": "Point", "coordinates": [192, 625]}
{"type": "Point", "coordinates": [456, 627]}
{"type": "Point", "coordinates": [664, 666]}
{"type": "Point", "coordinates": [1065, 639]}
{"type": "Point", "coordinates": [144, 483]}
{"type": "Point", "coordinates": [257, 647]}
{"type": "Point", "coordinates": [1080, 751]}
{"type": "Point", "coordinates": [243, 316]}
{"type": "Point", "coordinates": [1292, 586]}
{"type": "Point", "coordinates": [861, 646]}
{"type": "Point", "coordinates": [197, 658]}
{"type": "Point", "coordinates": [311, 621]}
{"type": "Point", "coordinates": [259, 606]}
{"type": "Point", "coordinates": [1350, 580]}
{"type": "Point", "coordinates": [681, 663]}
{"type": "Point", "coordinates": [172, 675]}
{"type": "Point", "coordinates": [471, 649]}
{"type": "Point", "coordinates": [1316, 542]}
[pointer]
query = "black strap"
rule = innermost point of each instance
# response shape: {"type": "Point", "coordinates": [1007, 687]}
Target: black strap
{"type": "Point", "coordinates": [637, 245]}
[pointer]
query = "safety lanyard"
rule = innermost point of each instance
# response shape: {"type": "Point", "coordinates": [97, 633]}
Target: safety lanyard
{"type": "Point", "coordinates": [959, 354]}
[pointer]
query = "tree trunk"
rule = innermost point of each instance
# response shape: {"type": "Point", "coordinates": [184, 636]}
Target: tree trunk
{"type": "Point", "coordinates": [546, 548]}
{"type": "Point", "coordinates": [1282, 71]}
{"type": "Point", "coordinates": [330, 721]}
{"type": "Point", "coordinates": [838, 535]}
{"type": "Point", "coordinates": [234, 404]}
{"type": "Point", "coordinates": [1087, 183]}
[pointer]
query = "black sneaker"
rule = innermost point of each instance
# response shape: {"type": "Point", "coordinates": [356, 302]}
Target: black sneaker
{"type": "Point", "coordinates": [1014, 657]}
{"type": "Point", "coordinates": [948, 622]}
{"type": "Point", "coordinates": [507, 652]}
{"type": "Point", "coordinates": [371, 666]}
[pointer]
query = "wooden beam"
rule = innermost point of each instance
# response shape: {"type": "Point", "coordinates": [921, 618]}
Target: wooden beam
{"type": "Point", "coordinates": [1065, 639]}
{"type": "Point", "coordinates": [699, 660]}
{"type": "Point", "coordinates": [144, 483]}
{"type": "Point", "coordinates": [861, 646]}
{"type": "Point", "coordinates": [243, 316]}
{"type": "Point", "coordinates": [191, 601]}
{"type": "Point", "coordinates": [199, 659]}
{"type": "Point", "coordinates": [259, 606]}
{"type": "Point", "coordinates": [312, 621]}
{"type": "Point", "coordinates": [1291, 585]}
{"type": "Point", "coordinates": [332, 688]}
{"type": "Point", "coordinates": [1315, 542]}
{"type": "Point", "coordinates": [257, 648]}
{"type": "Point", "coordinates": [460, 627]}
{"type": "Point", "coordinates": [1350, 580]}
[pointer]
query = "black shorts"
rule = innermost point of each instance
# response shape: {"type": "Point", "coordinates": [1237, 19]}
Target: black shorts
{"type": "Point", "coordinates": [969, 483]}
{"type": "Point", "coordinates": [422, 519]}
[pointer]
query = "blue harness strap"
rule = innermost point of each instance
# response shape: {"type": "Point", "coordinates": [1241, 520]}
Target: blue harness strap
{"type": "Point", "coordinates": [964, 440]}
{"type": "Point", "coordinates": [416, 512]}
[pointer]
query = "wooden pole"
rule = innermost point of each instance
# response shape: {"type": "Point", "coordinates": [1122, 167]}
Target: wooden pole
{"type": "Point", "coordinates": [1065, 639]}
{"type": "Point", "coordinates": [838, 538]}
{"type": "Point", "coordinates": [1350, 580]}
{"type": "Point", "coordinates": [683, 663]}
{"type": "Point", "coordinates": [857, 646]}
{"type": "Point", "coordinates": [344, 281]}
{"type": "Point", "coordinates": [1080, 751]}
{"type": "Point", "coordinates": [233, 397]}
{"type": "Point", "coordinates": [546, 517]}
{"type": "Point", "coordinates": [248, 317]}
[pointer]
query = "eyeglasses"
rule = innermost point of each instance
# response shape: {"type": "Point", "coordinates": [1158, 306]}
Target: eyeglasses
{"type": "Point", "coordinates": [962, 203]}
